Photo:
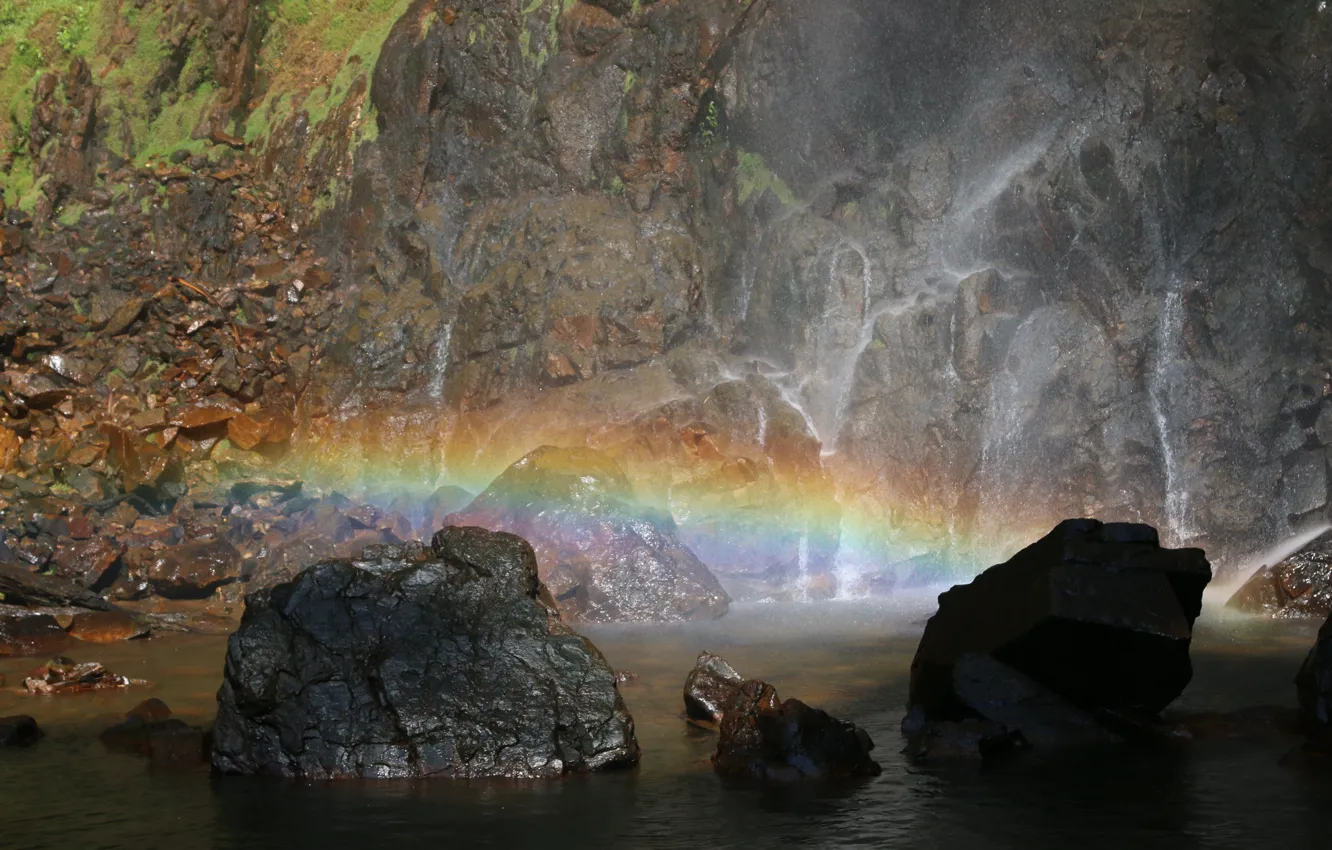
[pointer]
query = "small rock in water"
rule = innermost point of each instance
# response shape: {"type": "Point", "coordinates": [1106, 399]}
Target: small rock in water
{"type": "Point", "coordinates": [764, 739]}
{"type": "Point", "coordinates": [416, 662]}
{"type": "Point", "coordinates": [106, 627]}
{"type": "Point", "coordinates": [63, 676]}
{"type": "Point", "coordinates": [19, 730]}
{"type": "Point", "coordinates": [710, 686]}
{"type": "Point", "coordinates": [150, 730]}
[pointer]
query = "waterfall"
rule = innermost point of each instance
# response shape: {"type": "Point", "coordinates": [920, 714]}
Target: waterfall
{"type": "Point", "coordinates": [1163, 383]}
{"type": "Point", "coordinates": [802, 564]}
{"type": "Point", "coordinates": [439, 362]}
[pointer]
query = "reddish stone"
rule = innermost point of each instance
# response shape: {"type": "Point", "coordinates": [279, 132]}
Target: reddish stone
{"type": "Point", "coordinates": [203, 416]}
{"type": "Point", "coordinates": [38, 634]}
{"type": "Point", "coordinates": [84, 562]}
{"type": "Point", "coordinates": [245, 432]}
{"type": "Point", "coordinates": [105, 627]}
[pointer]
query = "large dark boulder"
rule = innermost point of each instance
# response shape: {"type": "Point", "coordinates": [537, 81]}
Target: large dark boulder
{"type": "Point", "coordinates": [763, 738]}
{"type": "Point", "coordinates": [1298, 586]}
{"type": "Point", "coordinates": [709, 687]}
{"type": "Point", "coordinates": [603, 557]}
{"type": "Point", "coordinates": [1091, 624]}
{"type": "Point", "coordinates": [1314, 684]}
{"type": "Point", "coordinates": [417, 662]}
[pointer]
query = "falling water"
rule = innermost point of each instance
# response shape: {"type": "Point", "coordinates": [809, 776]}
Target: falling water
{"type": "Point", "coordinates": [802, 563]}
{"type": "Point", "coordinates": [439, 362]}
{"type": "Point", "coordinates": [1160, 390]}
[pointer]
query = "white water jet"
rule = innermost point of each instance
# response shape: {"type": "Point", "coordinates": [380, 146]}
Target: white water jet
{"type": "Point", "coordinates": [1160, 389]}
{"type": "Point", "coordinates": [802, 565]}
{"type": "Point", "coordinates": [439, 362]}
{"type": "Point", "coordinates": [1275, 554]}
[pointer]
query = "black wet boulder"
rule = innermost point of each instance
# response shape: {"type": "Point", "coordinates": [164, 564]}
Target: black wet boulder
{"type": "Point", "coordinates": [1314, 684]}
{"type": "Point", "coordinates": [1093, 620]}
{"type": "Point", "coordinates": [708, 688]}
{"type": "Point", "coordinates": [763, 738]}
{"type": "Point", "coordinates": [417, 662]}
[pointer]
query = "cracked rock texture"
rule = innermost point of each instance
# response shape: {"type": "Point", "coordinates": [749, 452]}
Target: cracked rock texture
{"type": "Point", "coordinates": [417, 662]}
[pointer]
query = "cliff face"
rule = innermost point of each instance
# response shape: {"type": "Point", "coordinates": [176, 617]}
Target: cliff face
{"type": "Point", "coordinates": [903, 275]}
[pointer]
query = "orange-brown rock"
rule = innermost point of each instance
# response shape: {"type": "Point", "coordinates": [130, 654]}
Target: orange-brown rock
{"type": "Point", "coordinates": [10, 443]}
{"type": "Point", "coordinates": [203, 416]}
{"type": "Point", "coordinates": [105, 627]}
{"type": "Point", "coordinates": [245, 432]}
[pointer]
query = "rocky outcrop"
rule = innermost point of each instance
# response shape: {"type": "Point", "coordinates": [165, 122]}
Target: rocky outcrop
{"type": "Point", "coordinates": [709, 688]}
{"type": "Point", "coordinates": [1297, 586]}
{"type": "Point", "coordinates": [603, 558]}
{"type": "Point", "coordinates": [765, 739]}
{"type": "Point", "coordinates": [1081, 634]}
{"type": "Point", "coordinates": [416, 662]}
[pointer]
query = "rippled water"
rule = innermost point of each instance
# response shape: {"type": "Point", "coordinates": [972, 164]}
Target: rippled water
{"type": "Point", "coordinates": [849, 658]}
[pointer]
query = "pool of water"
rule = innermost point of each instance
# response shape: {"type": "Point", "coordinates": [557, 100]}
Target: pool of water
{"type": "Point", "coordinates": [849, 658]}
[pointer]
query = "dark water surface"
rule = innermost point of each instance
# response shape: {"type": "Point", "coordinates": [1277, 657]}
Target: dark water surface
{"type": "Point", "coordinates": [849, 658]}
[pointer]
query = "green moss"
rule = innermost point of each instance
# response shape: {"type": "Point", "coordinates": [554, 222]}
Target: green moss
{"type": "Point", "coordinates": [71, 214]}
{"type": "Point", "coordinates": [355, 30]}
{"type": "Point", "coordinates": [753, 177]}
{"type": "Point", "coordinates": [18, 183]}
{"type": "Point", "coordinates": [170, 130]}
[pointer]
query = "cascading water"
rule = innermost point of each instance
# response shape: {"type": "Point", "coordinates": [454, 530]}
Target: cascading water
{"type": "Point", "coordinates": [1163, 387]}
{"type": "Point", "coordinates": [439, 362]}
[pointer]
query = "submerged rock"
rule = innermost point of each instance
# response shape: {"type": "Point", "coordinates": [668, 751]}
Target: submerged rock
{"type": "Point", "coordinates": [1081, 635]}
{"type": "Point", "coordinates": [766, 739]}
{"type": "Point", "coordinates": [19, 730]}
{"type": "Point", "coordinates": [416, 662]}
{"type": "Point", "coordinates": [708, 688]}
{"type": "Point", "coordinates": [604, 559]}
{"type": "Point", "coordinates": [1299, 586]}
{"type": "Point", "coordinates": [150, 730]}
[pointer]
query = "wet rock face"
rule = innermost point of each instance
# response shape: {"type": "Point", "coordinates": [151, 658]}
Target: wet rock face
{"type": "Point", "coordinates": [1299, 586]}
{"type": "Point", "coordinates": [416, 662]}
{"type": "Point", "coordinates": [187, 571]}
{"type": "Point", "coordinates": [1092, 622]}
{"type": "Point", "coordinates": [709, 688]}
{"type": "Point", "coordinates": [603, 558]}
{"type": "Point", "coordinates": [763, 738]}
